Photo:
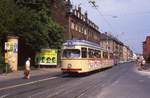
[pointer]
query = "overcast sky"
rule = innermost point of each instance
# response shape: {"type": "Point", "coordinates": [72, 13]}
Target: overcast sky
{"type": "Point", "coordinates": [129, 20]}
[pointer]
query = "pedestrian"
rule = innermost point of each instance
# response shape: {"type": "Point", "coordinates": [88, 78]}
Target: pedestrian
{"type": "Point", "coordinates": [142, 63]}
{"type": "Point", "coordinates": [138, 62]}
{"type": "Point", "coordinates": [27, 69]}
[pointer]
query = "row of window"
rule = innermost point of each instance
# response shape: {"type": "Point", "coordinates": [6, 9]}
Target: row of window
{"type": "Point", "coordinates": [86, 53]}
{"type": "Point", "coordinates": [78, 28]}
{"type": "Point", "coordinates": [84, 30]}
{"type": "Point", "coordinates": [91, 53]}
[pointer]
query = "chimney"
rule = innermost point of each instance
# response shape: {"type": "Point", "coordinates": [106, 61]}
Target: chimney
{"type": "Point", "coordinates": [79, 9]}
{"type": "Point", "coordinates": [106, 33]}
{"type": "Point", "coordinates": [69, 6]}
{"type": "Point", "coordinates": [69, 3]}
{"type": "Point", "coordinates": [86, 15]}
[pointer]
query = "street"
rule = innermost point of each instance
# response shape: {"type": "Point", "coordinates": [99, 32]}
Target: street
{"type": "Point", "coordinates": [122, 81]}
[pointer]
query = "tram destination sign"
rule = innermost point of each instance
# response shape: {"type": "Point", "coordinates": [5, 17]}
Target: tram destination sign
{"type": "Point", "coordinates": [70, 44]}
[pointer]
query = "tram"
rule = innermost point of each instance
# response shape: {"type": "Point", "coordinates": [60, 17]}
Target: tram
{"type": "Point", "coordinates": [81, 56]}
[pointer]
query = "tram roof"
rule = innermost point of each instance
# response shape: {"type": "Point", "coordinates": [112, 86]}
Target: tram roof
{"type": "Point", "coordinates": [82, 43]}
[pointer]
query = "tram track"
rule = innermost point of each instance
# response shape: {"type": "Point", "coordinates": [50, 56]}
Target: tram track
{"type": "Point", "coordinates": [32, 87]}
{"type": "Point", "coordinates": [100, 85]}
{"type": "Point", "coordinates": [66, 86]}
{"type": "Point", "coordinates": [87, 87]}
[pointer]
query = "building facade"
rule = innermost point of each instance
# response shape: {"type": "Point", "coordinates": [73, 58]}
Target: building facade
{"type": "Point", "coordinates": [76, 24]}
{"type": "Point", "coordinates": [127, 53]}
{"type": "Point", "coordinates": [121, 52]}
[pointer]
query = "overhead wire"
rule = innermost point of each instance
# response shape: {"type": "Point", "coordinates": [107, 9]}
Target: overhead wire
{"type": "Point", "coordinates": [96, 7]}
{"type": "Point", "coordinates": [88, 1]}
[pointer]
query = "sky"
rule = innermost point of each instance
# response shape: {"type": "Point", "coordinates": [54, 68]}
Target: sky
{"type": "Point", "coordinates": [128, 20]}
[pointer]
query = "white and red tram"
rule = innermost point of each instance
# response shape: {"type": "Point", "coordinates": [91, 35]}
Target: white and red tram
{"type": "Point", "coordinates": [82, 56]}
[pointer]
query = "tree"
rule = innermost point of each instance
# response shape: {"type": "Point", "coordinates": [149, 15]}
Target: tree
{"type": "Point", "coordinates": [36, 27]}
{"type": "Point", "coordinates": [55, 32]}
{"type": "Point", "coordinates": [33, 25]}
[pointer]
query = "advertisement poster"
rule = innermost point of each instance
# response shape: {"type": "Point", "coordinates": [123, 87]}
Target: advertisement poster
{"type": "Point", "coordinates": [46, 57]}
{"type": "Point", "coordinates": [11, 52]}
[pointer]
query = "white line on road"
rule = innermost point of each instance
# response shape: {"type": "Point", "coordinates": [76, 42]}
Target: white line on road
{"type": "Point", "coordinates": [4, 96]}
{"type": "Point", "coordinates": [13, 86]}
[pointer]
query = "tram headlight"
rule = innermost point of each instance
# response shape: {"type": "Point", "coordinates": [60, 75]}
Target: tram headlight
{"type": "Point", "coordinates": [69, 65]}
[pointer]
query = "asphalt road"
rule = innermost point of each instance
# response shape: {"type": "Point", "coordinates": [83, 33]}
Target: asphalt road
{"type": "Point", "coordinates": [122, 81]}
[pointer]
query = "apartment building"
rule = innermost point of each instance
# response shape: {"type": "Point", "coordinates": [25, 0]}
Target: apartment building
{"type": "Point", "coordinates": [121, 52]}
{"type": "Point", "coordinates": [76, 24]}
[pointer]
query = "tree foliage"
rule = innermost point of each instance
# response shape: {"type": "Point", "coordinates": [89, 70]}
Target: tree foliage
{"type": "Point", "coordinates": [34, 26]}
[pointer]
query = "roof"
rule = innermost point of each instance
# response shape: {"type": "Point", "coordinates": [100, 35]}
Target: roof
{"type": "Point", "coordinates": [82, 43]}
{"type": "Point", "coordinates": [110, 37]}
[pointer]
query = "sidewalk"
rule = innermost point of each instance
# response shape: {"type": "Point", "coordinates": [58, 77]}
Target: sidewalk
{"type": "Point", "coordinates": [20, 74]}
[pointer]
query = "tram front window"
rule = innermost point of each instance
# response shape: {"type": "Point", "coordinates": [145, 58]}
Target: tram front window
{"type": "Point", "coordinates": [71, 53]}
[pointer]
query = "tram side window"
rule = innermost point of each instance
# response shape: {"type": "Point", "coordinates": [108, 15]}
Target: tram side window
{"type": "Point", "coordinates": [91, 53]}
{"type": "Point", "coordinates": [97, 54]}
{"type": "Point", "coordinates": [84, 52]}
{"type": "Point", "coordinates": [111, 55]}
{"type": "Point", "coordinates": [105, 55]}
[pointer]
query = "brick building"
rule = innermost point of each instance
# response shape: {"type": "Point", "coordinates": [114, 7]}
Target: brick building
{"type": "Point", "coordinates": [75, 23]}
{"type": "Point", "coordinates": [146, 48]}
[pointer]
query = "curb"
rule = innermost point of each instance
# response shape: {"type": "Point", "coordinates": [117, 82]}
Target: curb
{"type": "Point", "coordinates": [19, 74]}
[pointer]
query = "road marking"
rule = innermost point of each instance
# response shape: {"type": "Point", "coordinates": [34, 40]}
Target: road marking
{"type": "Point", "coordinates": [13, 86]}
{"type": "Point", "coordinates": [4, 96]}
